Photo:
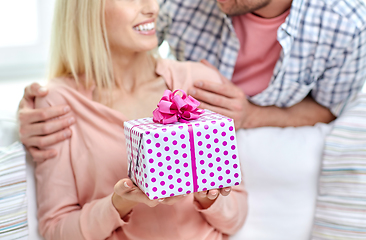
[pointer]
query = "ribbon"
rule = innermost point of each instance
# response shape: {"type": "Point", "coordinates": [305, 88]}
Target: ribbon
{"type": "Point", "coordinates": [173, 108]}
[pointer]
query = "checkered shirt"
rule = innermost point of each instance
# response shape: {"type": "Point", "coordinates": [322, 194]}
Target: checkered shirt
{"type": "Point", "coordinates": [323, 47]}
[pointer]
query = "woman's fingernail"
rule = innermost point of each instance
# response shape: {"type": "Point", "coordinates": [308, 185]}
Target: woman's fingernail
{"type": "Point", "coordinates": [227, 189]}
{"type": "Point", "coordinates": [126, 185]}
{"type": "Point", "coordinates": [67, 134]}
{"type": "Point", "coordinates": [184, 195]}
{"type": "Point", "coordinates": [192, 92]}
{"type": "Point", "coordinates": [161, 200]}
{"type": "Point", "coordinates": [42, 89]}
{"type": "Point", "coordinates": [71, 120]}
{"type": "Point", "coordinates": [66, 109]}
{"type": "Point", "coordinates": [214, 193]}
{"type": "Point", "coordinates": [199, 84]}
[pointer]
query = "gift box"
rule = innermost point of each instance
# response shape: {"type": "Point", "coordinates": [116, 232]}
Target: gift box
{"type": "Point", "coordinates": [182, 157]}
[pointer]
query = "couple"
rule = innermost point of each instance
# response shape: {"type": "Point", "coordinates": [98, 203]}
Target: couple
{"type": "Point", "coordinates": [312, 69]}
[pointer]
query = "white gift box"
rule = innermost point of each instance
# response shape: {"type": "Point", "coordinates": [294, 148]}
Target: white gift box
{"type": "Point", "coordinates": [181, 158]}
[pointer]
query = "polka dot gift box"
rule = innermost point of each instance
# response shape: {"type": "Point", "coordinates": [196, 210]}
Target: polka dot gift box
{"type": "Point", "coordinates": [182, 157]}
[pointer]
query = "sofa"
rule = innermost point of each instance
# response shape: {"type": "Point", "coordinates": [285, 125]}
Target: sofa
{"type": "Point", "coordinates": [281, 169]}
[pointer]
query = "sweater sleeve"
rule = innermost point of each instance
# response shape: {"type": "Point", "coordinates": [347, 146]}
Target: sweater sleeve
{"type": "Point", "coordinates": [60, 213]}
{"type": "Point", "coordinates": [227, 214]}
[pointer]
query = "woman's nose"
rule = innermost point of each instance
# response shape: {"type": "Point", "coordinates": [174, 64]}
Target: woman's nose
{"type": "Point", "coordinates": [151, 7]}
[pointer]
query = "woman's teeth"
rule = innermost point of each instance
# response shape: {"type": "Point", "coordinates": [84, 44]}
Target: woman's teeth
{"type": "Point", "coordinates": [145, 27]}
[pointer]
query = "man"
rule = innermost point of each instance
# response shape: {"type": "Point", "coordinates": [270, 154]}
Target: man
{"type": "Point", "coordinates": [291, 62]}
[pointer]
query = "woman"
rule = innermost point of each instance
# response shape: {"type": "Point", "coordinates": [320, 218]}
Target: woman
{"type": "Point", "coordinates": [102, 66]}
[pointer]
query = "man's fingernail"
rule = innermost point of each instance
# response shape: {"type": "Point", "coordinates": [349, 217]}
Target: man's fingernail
{"type": "Point", "coordinates": [161, 200]}
{"type": "Point", "coordinates": [67, 133]}
{"type": "Point", "coordinates": [42, 89]}
{"type": "Point", "coordinates": [227, 189]}
{"type": "Point", "coordinates": [192, 92]}
{"type": "Point", "coordinates": [126, 185]}
{"type": "Point", "coordinates": [71, 120]}
{"type": "Point", "coordinates": [214, 193]}
{"type": "Point", "coordinates": [184, 195]}
{"type": "Point", "coordinates": [66, 109]}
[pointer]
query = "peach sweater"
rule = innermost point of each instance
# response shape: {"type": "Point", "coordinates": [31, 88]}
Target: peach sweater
{"type": "Point", "coordinates": [74, 189]}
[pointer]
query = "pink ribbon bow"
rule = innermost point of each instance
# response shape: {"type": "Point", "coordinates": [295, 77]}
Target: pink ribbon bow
{"type": "Point", "coordinates": [173, 108]}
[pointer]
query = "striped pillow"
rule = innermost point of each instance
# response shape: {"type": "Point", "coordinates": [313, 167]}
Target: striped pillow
{"type": "Point", "coordinates": [341, 204]}
{"type": "Point", "coordinates": [13, 200]}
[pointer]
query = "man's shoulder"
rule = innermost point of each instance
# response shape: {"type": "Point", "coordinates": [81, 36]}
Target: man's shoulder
{"type": "Point", "coordinates": [352, 11]}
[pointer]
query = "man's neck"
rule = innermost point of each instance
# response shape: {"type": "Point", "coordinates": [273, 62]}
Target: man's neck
{"type": "Point", "coordinates": [274, 9]}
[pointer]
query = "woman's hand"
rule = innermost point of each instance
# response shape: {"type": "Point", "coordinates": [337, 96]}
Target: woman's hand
{"type": "Point", "coordinates": [207, 198]}
{"type": "Point", "coordinates": [126, 196]}
{"type": "Point", "coordinates": [34, 132]}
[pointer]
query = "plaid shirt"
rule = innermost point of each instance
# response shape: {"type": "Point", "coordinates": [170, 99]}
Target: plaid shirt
{"type": "Point", "coordinates": [323, 47]}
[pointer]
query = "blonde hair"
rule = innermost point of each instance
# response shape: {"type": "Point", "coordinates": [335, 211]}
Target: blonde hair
{"type": "Point", "coordinates": [79, 43]}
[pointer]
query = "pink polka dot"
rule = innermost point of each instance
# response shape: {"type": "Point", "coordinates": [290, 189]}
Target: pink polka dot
{"type": "Point", "coordinates": [216, 140]}
{"type": "Point", "coordinates": [234, 156]}
{"type": "Point", "coordinates": [224, 143]}
{"type": "Point", "coordinates": [160, 164]}
{"type": "Point", "coordinates": [166, 148]}
{"type": "Point", "coordinates": [184, 146]}
{"type": "Point", "coordinates": [209, 155]}
{"type": "Point", "coordinates": [212, 184]}
{"type": "Point", "coordinates": [176, 152]}
{"type": "Point", "coordinates": [173, 133]}
{"type": "Point", "coordinates": [169, 168]}
{"type": "Point", "coordinates": [161, 173]}
{"type": "Point", "coordinates": [158, 154]}
{"type": "Point", "coordinates": [188, 183]}
{"type": "Point", "coordinates": [147, 132]}
{"type": "Point", "coordinates": [176, 161]}
{"type": "Point", "coordinates": [175, 142]}
{"type": "Point", "coordinates": [217, 150]}
{"type": "Point", "coordinates": [213, 122]}
{"type": "Point", "coordinates": [150, 151]}
{"type": "Point", "coordinates": [172, 194]}
{"type": "Point", "coordinates": [218, 159]}
{"type": "Point", "coordinates": [186, 174]}
{"type": "Point", "coordinates": [228, 181]}
{"type": "Point", "coordinates": [232, 138]}
{"type": "Point", "coordinates": [165, 139]}
{"type": "Point", "coordinates": [146, 185]}
{"type": "Point", "coordinates": [147, 194]}
{"type": "Point", "coordinates": [152, 170]}
{"type": "Point", "coordinates": [223, 134]}
{"type": "Point", "coordinates": [197, 124]}
{"type": "Point", "coordinates": [222, 124]}
{"type": "Point", "coordinates": [177, 171]}
{"type": "Point", "coordinates": [145, 175]}
{"type": "Point", "coordinates": [212, 174]}
{"type": "Point", "coordinates": [228, 171]}
{"type": "Point", "coordinates": [199, 143]}
{"type": "Point", "coordinates": [180, 127]}
{"type": "Point", "coordinates": [188, 192]}
{"type": "Point", "coordinates": [204, 181]}
{"type": "Point", "coordinates": [168, 158]}
{"type": "Point", "coordinates": [221, 186]}
{"type": "Point", "coordinates": [227, 162]}
{"type": "Point", "coordinates": [235, 166]}
{"type": "Point", "coordinates": [163, 192]}
{"type": "Point", "coordinates": [156, 135]}
{"type": "Point", "coordinates": [154, 189]}
{"type": "Point", "coordinates": [179, 180]}
{"type": "Point", "coordinates": [220, 178]}
{"type": "Point", "coordinates": [144, 166]}
{"type": "Point", "coordinates": [236, 175]}
{"type": "Point", "coordinates": [214, 131]}
{"type": "Point", "coordinates": [226, 153]}
{"type": "Point", "coordinates": [203, 171]}
{"type": "Point", "coordinates": [210, 165]}
{"type": "Point", "coordinates": [231, 128]}
{"type": "Point", "coordinates": [202, 162]}
{"type": "Point", "coordinates": [182, 136]}
{"type": "Point", "coordinates": [143, 156]}
{"type": "Point", "coordinates": [162, 183]}
{"type": "Point", "coordinates": [199, 134]}
{"type": "Point", "coordinates": [208, 146]}
{"type": "Point", "coordinates": [180, 189]}
{"type": "Point", "coordinates": [200, 152]}
{"type": "Point", "coordinates": [171, 186]}
{"type": "Point", "coordinates": [151, 160]}
{"type": "Point", "coordinates": [157, 145]}
{"type": "Point", "coordinates": [155, 197]}
{"type": "Point", "coordinates": [219, 169]}
{"type": "Point", "coordinates": [164, 129]}
{"type": "Point", "coordinates": [184, 155]}
{"type": "Point", "coordinates": [170, 177]}
{"type": "Point", "coordinates": [236, 184]}
{"type": "Point", "coordinates": [207, 136]}
{"type": "Point", "coordinates": [185, 165]}
{"type": "Point", "coordinates": [153, 179]}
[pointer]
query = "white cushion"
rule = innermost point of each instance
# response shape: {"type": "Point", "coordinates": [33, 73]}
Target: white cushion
{"type": "Point", "coordinates": [281, 169]}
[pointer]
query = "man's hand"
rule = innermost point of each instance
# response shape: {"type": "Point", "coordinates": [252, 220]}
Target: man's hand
{"type": "Point", "coordinates": [34, 132]}
{"type": "Point", "coordinates": [226, 99]}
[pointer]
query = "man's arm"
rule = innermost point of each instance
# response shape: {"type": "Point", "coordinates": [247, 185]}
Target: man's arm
{"type": "Point", "coordinates": [230, 100]}
{"type": "Point", "coordinates": [34, 132]}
